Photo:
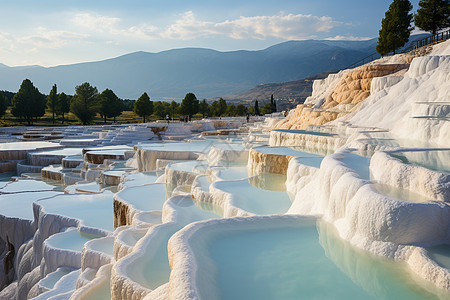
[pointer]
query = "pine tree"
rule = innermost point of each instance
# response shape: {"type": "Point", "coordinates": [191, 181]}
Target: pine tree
{"type": "Point", "coordinates": [63, 105]}
{"type": "Point", "coordinates": [143, 107]}
{"type": "Point", "coordinates": [52, 102]}
{"type": "Point", "coordinates": [3, 104]}
{"type": "Point", "coordinates": [110, 106]}
{"type": "Point", "coordinates": [84, 104]}
{"type": "Point", "coordinates": [395, 27]}
{"type": "Point", "coordinates": [189, 105]}
{"type": "Point", "coordinates": [28, 102]}
{"type": "Point", "coordinates": [257, 112]}
{"type": "Point", "coordinates": [174, 106]}
{"type": "Point", "coordinates": [203, 108]}
{"type": "Point", "coordinates": [273, 104]}
{"type": "Point", "coordinates": [433, 15]}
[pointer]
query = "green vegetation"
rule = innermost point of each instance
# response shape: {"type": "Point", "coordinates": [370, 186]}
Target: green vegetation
{"type": "Point", "coordinates": [110, 106]}
{"type": "Point", "coordinates": [87, 106]}
{"type": "Point", "coordinates": [52, 102]}
{"type": "Point", "coordinates": [143, 107]}
{"type": "Point", "coordinates": [3, 104]}
{"type": "Point", "coordinates": [395, 27]}
{"type": "Point", "coordinates": [63, 104]}
{"type": "Point", "coordinates": [433, 15]}
{"type": "Point", "coordinates": [28, 103]}
{"type": "Point", "coordinates": [189, 105]}
{"type": "Point", "coordinates": [84, 103]}
{"type": "Point", "coordinates": [257, 112]}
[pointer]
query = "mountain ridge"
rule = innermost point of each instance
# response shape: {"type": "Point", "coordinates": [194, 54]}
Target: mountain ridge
{"type": "Point", "coordinates": [205, 72]}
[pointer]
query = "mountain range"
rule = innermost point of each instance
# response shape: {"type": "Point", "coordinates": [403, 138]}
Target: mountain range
{"type": "Point", "coordinates": [207, 73]}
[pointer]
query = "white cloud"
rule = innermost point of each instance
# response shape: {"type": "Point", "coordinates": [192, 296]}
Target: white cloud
{"type": "Point", "coordinates": [348, 38]}
{"type": "Point", "coordinates": [187, 27]}
{"type": "Point", "coordinates": [282, 26]}
{"type": "Point", "coordinates": [51, 39]}
{"type": "Point", "coordinates": [96, 22]}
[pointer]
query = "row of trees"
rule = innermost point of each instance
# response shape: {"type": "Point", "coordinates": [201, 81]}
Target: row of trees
{"type": "Point", "coordinates": [432, 16]}
{"type": "Point", "coordinates": [190, 106]}
{"type": "Point", "coordinates": [29, 104]}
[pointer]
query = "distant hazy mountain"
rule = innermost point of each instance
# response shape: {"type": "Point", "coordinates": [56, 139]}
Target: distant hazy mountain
{"type": "Point", "coordinates": [205, 72]}
{"type": "Point", "coordinates": [287, 94]}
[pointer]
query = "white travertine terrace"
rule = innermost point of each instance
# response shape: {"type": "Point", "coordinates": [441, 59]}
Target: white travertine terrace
{"type": "Point", "coordinates": [375, 189]}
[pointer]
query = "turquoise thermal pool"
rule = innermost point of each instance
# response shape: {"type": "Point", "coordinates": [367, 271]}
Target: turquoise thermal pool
{"type": "Point", "coordinates": [306, 132]}
{"type": "Point", "coordinates": [306, 261]}
{"type": "Point", "coordinates": [436, 160]}
{"type": "Point", "coordinates": [145, 197]}
{"type": "Point", "coordinates": [255, 200]}
{"type": "Point", "coordinates": [152, 269]}
{"type": "Point", "coordinates": [68, 240]}
{"type": "Point", "coordinates": [93, 210]}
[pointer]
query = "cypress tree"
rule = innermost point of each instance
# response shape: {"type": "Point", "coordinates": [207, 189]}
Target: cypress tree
{"type": "Point", "coordinates": [433, 15]}
{"type": "Point", "coordinates": [257, 112]}
{"type": "Point", "coordinates": [52, 102]}
{"type": "Point", "coordinates": [3, 104]}
{"type": "Point", "coordinates": [395, 27]}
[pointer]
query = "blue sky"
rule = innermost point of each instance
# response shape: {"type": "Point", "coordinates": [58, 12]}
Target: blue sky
{"type": "Point", "coordinates": [50, 33]}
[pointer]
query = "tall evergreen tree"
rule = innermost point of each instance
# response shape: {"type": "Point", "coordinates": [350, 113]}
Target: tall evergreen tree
{"type": "Point", "coordinates": [52, 102]}
{"type": "Point", "coordinates": [241, 110]}
{"type": "Point", "coordinates": [433, 15]}
{"type": "Point", "coordinates": [222, 107]}
{"type": "Point", "coordinates": [174, 106]}
{"type": "Point", "coordinates": [3, 104]}
{"type": "Point", "coordinates": [28, 102]}
{"type": "Point", "coordinates": [143, 107]}
{"type": "Point", "coordinates": [257, 112]}
{"type": "Point", "coordinates": [189, 105]}
{"type": "Point", "coordinates": [395, 27]}
{"type": "Point", "coordinates": [273, 104]}
{"type": "Point", "coordinates": [110, 106]}
{"type": "Point", "coordinates": [63, 105]}
{"type": "Point", "coordinates": [203, 107]}
{"type": "Point", "coordinates": [84, 104]}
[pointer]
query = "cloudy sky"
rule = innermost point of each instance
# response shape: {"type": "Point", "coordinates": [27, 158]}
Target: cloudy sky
{"type": "Point", "coordinates": [49, 33]}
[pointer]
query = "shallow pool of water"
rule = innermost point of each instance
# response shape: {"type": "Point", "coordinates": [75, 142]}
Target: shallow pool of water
{"type": "Point", "coordinates": [436, 160]}
{"type": "Point", "coordinates": [255, 200]}
{"type": "Point", "coordinates": [27, 145]}
{"type": "Point", "coordinates": [440, 254]}
{"type": "Point", "coordinates": [146, 197]}
{"type": "Point", "coordinates": [94, 210]}
{"type": "Point", "coordinates": [359, 164]}
{"type": "Point", "coordinates": [400, 193]}
{"type": "Point", "coordinates": [70, 239]}
{"type": "Point", "coordinates": [306, 132]}
{"type": "Point", "coordinates": [298, 262]}
{"type": "Point", "coordinates": [153, 269]}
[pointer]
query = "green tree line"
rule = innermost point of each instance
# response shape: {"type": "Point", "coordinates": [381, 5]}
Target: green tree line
{"type": "Point", "coordinates": [29, 104]}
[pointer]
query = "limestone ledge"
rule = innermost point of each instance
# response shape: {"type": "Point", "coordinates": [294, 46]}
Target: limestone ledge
{"type": "Point", "coordinates": [316, 143]}
{"type": "Point", "coordinates": [339, 95]}
{"type": "Point", "coordinates": [390, 170]}
{"type": "Point", "coordinates": [146, 158]}
{"type": "Point", "coordinates": [259, 162]}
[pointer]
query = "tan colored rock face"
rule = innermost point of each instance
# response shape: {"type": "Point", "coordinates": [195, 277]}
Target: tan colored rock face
{"type": "Point", "coordinates": [351, 90]}
{"type": "Point", "coordinates": [355, 87]}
